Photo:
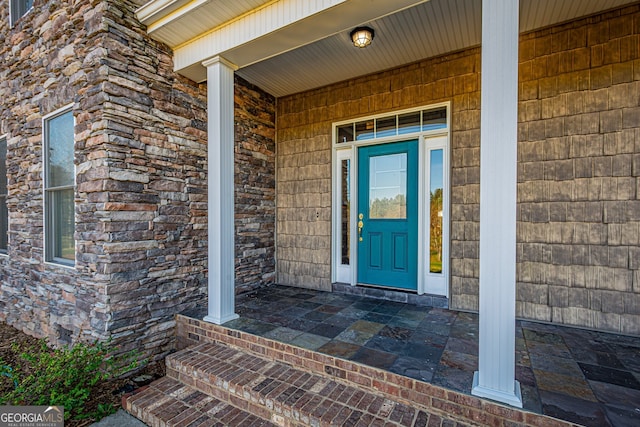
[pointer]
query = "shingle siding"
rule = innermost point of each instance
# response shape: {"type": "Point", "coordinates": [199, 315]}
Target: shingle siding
{"type": "Point", "coordinates": [577, 189]}
{"type": "Point", "coordinates": [578, 169]}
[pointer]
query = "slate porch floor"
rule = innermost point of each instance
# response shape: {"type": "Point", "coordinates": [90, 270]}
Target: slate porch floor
{"type": "Point", "coordinates": [586, 377]}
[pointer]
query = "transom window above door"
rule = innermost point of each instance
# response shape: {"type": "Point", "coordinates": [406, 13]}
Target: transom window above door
{"type": "Point", "coordinates": [392, 125]}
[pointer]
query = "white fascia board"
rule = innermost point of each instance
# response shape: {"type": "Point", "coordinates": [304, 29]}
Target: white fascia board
{"type": "Point", "coordinates": [157, 10]}
{"type": "Point", "coordinates": [277, 28]}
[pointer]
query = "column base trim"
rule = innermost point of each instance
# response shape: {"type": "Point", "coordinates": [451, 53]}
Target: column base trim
{"type": "Point", "coordinates": [220, 320]}
{"type": "Point", "coordinates": [514, 399]}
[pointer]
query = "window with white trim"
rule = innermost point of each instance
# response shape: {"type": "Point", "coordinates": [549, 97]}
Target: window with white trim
{"type": "Point", "coordinates": [4, 213]}
{"type": "Point", "coordinates": [59, 186]}
{"type": "Point", "coordinates": [18, 9]}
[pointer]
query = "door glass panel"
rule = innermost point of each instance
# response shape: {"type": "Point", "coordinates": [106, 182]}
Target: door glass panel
{"type": "Point", "coordinates": [435, 211]}
{"type": "Point", "coordinates": [345, 210]}
{"type": "Point", "coordinates": [388, 186]}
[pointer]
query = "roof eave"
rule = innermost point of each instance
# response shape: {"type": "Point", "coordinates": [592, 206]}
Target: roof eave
{"type": "Point", "coordinates": [158, 9]}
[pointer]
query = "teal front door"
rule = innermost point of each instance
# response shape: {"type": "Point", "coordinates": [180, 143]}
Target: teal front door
{"type": "Point", "coordinates": [388, 215]}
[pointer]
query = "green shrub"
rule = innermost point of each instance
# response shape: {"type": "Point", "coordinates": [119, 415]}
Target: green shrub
{"type": "Point", "coordinates": [7, 372]}
{"type": "Point", "coordinates": [64, 376]}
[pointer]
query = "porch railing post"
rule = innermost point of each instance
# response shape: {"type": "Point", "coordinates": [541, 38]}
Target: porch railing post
{"type": "Point", "coordinates": [495, 378]}
{"type": "Point", "coordinates": [221, 296]}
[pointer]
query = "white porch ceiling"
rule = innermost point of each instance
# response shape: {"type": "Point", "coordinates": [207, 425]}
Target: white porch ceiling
{"type": "Point", "coordinates": [316, 51]}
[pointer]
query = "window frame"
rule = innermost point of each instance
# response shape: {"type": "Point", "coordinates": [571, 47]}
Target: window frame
{"type": "Point", "coordinates": [50, 234]}
{"type": "Point", "coordinates": [5, 195]}
{"type": "Point", "coordinates": [13, 18]}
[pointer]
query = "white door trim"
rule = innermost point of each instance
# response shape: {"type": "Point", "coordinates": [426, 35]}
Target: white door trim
{"type": "Point", "coordinates": [433, 283]}
{"type": "Point", "coordinates": [428, 140]}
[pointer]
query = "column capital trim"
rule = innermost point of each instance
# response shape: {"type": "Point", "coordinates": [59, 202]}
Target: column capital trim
{"type": "Point", "coordinates": [219, 60]}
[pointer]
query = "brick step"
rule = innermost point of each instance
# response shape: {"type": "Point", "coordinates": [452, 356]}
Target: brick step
{"type": "Point", "coordinates": [168, 402]}
{"type": "Point", "coordinates": [430, 398]}
{"type": "Point", "coordinates": [285, 395]}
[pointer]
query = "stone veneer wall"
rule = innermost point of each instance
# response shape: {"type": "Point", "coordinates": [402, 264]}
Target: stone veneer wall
{"type": "Point", "coordinates": [578, 231]}
{"type": "Point", "coordinates": [255, 181]}
{"type": "Point", "coordinates": [144, 193]}
{"type": "Point", "coordinates": [51, 58]}
{"type": "Point", "coordinates": [141, 196]}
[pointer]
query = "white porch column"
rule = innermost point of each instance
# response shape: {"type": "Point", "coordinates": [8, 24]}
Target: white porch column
{"type": "Point", "coordinates": [495, 378]}
{"type": "Point", "coordinates": [221, 298]}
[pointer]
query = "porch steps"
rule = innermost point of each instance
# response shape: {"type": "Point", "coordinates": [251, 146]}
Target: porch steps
{"type": "Point", "coordinates": [216, 384]}
{"type": "Point", "coordinates": [228, 376]}
{"type": "Point", "coordinates": [168, 402]}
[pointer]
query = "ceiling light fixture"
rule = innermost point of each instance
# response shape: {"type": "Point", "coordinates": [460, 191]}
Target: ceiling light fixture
{"type": "Point", "coordinates": [362, 36]}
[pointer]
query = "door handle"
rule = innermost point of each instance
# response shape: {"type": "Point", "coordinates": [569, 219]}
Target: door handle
{"type": "Point", "coordinates": [360, 226]}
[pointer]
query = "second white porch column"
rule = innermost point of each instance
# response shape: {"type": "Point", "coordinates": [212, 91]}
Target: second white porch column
{"type": "Point", "coordinates": [221, 191]}
{"type": "Point", "coordinates": [495, 378]}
